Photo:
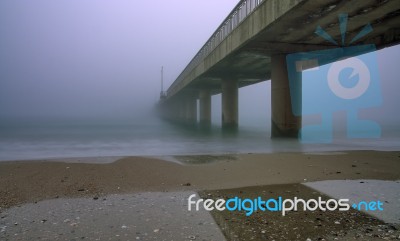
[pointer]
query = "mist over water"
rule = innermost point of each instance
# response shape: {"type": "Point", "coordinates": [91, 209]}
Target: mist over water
{"type": "Point", "coordinates": [150, 136]}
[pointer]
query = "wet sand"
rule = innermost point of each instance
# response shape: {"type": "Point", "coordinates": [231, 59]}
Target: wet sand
{"type": "Point", "coordinates": [33, 181]}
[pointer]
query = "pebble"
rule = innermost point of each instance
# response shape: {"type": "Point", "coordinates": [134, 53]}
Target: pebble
{"type": "Point", "coordinates": [2, 229]}
{"type": "Point", "coordinates": [337, 222]}
{"type": "Point", "coordinates": [156, 230]}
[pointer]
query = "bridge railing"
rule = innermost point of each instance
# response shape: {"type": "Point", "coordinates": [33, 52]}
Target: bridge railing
{"type": "Point", "coordinates": [243, 9]}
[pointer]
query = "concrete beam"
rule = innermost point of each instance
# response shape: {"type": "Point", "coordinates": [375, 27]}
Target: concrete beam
{"type": "Point", "coordinates": [205, 107]}
{"type": "Point", "coordinates": [230, 112]}
{"type": "Point", "coordinates": [283, 123]}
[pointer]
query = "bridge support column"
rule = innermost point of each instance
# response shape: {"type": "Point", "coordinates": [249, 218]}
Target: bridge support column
{"type": "Point", "coordinates": [190, 105]}
{"type": "Point", "coordinates": [205, 107]}
{"type": "Point", "coordinates": [283, 123]}
{"type": "Point", "coordinates": [230, 113]}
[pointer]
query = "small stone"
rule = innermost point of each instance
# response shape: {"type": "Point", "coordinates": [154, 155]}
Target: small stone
{"type": "Point", "coordinates": [156, 230]}
{"type": "Point", "coordinates": [191, 237]}
{"type": "Point", "coordinates": [263, 231]}
{"type": "Point", "coordinates": [308, 239]}
{"type": "Point", "coordinates": [67, 220]}
{"type": "Point", "coordinates": [81, 190]}
{"type": "Point", "coordinates": [186, 184]}
{"type": "Point", "coordinates": [337, 222]}
{"type": "Point", "coordinates": [124, 227]}
{"type": "Point", "coordinates": [95, 198]}
{"type": "Point", "coordinates": [15, 223]}
{"type": "Point", "coordinates": [44, 220]}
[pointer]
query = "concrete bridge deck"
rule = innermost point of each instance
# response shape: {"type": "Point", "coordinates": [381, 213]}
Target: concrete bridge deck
{"type": "Point", "coordinates": [251, 44]}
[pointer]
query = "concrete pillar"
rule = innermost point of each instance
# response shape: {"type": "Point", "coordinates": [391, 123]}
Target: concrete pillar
{"type": "Point", "coordinates": [230, 113]}
{"type": "Point", "coordinates": [283, 123]}
{"type": "Point", "coordinates": [205, 107]}
{"type": "Point", "coordinates": [190, 102]}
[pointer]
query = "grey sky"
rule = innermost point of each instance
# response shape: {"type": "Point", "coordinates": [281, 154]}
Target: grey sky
{"type": "Point", "coordinates": [102, 58]}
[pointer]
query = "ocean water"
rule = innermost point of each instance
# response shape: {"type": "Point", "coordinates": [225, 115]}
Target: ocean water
{"type": "Point", "coordinates": [155, 137]}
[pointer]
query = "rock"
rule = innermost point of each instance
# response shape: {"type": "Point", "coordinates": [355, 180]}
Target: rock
{"type": "Point", "coordinates": [186, 184]}
{"type": "Point", "coordinates": [95, 198]}
{"type": "Point", "coordinates": [337, 222]}
{"type": "Point", "coordinates": [156, 230]}
{"type": "Point", "coordinates": [192, 237]}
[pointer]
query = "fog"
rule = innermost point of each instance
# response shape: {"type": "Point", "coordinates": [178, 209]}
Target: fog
{"type": "Point", "coordinates": [101, 60]}
{"type": "Point", "coordinates": [96, 59]}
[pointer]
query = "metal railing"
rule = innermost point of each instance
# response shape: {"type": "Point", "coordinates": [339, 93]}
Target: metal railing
{"type": "Point", "coordinates": [243, 9]}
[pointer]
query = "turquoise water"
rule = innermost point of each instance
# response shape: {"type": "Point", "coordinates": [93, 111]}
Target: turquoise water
{"type": "Point", "coordinates": [154, 137]}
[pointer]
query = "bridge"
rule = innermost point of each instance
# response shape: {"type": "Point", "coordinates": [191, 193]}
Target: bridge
{"type": "Point", "coordinates": [251, 46]}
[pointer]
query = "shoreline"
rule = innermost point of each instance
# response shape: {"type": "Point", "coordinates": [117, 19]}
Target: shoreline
{"type": "Point", "coordinates": [170, 157]}
{"type": "Point", "coordinates": [173, 158]}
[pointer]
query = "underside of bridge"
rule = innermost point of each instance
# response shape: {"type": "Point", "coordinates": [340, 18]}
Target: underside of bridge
{"type": "Point", "coordinates": [256, 51]}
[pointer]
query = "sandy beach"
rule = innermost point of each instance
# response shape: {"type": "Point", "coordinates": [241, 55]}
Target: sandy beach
{"type": "Point", "coordinates": [210, 175]}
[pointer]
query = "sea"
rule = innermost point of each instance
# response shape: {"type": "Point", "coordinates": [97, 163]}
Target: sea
{"type": "Point", "coordinates": [155, 137]}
